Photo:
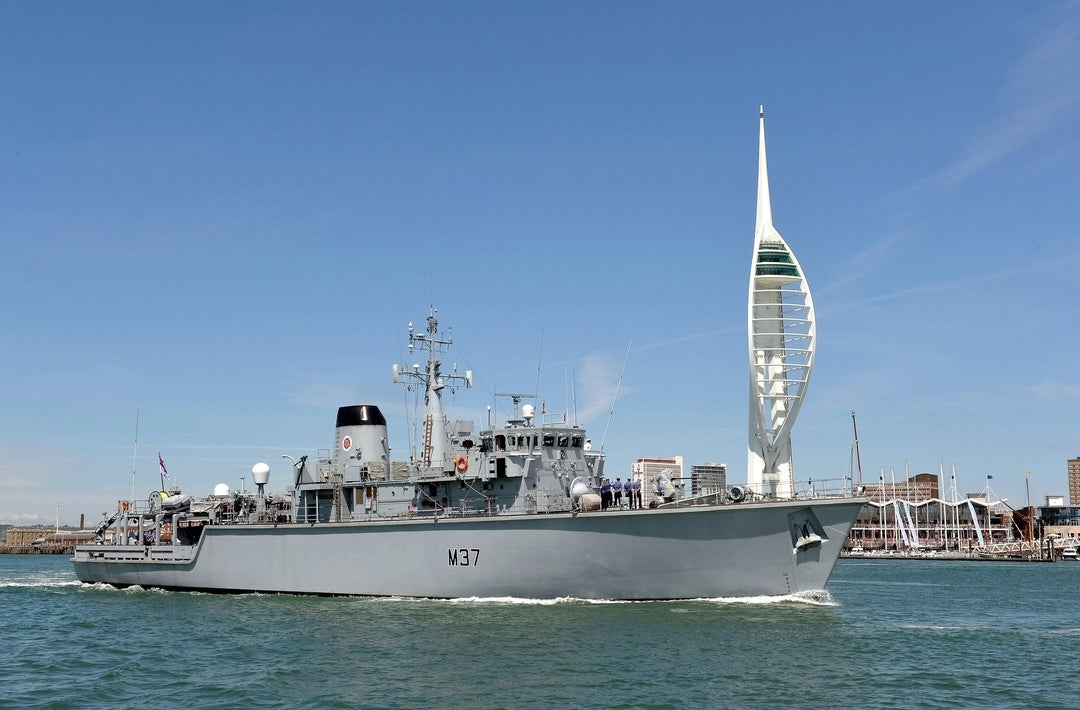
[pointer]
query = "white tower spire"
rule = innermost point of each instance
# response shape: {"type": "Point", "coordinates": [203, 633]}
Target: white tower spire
{"type": "Point", "coordinates": [764, 205]}
{"type": "Point", "coordinates": [781, 334]}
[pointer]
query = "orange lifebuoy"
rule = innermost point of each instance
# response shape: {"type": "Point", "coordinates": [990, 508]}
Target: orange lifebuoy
{"type": "Point", "coordinates": [461, 463]}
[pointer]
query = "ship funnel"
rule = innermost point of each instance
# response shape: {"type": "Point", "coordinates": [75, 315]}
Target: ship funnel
{"type": "Point", "coordinates": [361, 446]}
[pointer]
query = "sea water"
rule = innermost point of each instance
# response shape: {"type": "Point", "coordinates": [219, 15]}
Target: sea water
{"type": "Point", "coordinates": [892, 634]}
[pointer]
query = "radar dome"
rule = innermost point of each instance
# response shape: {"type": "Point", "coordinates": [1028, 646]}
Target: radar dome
{"type": "Point", "coordinates": [221, 489]}
{"type": "Point", "coordinates": [260, 474]}
{"type": "Point", "coordinates": [528, 411]}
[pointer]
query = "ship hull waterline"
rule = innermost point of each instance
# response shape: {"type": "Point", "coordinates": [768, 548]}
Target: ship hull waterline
{"type": "Point", "coordinates": [685, 553]}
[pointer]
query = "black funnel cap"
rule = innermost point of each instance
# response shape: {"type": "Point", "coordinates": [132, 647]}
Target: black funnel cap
{"type": "Point", "coordinates": [360, 415]}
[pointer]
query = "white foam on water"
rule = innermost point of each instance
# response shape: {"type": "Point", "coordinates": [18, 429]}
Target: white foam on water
{"type": "Point", "coordinates": [818, 597]}
{"type": "Point", "coordinates": [42, 583]}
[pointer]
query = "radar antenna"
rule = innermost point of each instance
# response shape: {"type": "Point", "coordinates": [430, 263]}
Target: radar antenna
{"type": "Point", "coordinates": [516, 397]}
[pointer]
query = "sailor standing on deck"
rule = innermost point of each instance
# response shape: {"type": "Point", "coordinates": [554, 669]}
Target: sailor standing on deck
{"type": "Point", "coordinates": [617, 488]}
{"type": "Point", "coordinates": [637, 493]}
{"type": "Point", "coordinates": [605, 494]}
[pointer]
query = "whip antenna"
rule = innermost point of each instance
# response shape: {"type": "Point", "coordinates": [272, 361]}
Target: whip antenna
{"type": "Point", "coordinates": [616, 398]}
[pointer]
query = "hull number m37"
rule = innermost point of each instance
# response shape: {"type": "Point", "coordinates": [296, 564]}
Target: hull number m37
{"type": "Point", "coordinates": [463, 557]}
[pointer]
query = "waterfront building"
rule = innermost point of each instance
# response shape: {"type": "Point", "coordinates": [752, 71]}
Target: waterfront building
{"type": "Point", "coordinates": [24, 536]}
{"type": "Point", "coordinates": [44, 538]}
{"type": "Point", "coordinates": [1073, 469]}
{"type": "Point", "coordinates": [708, 478]}
{"type": "Point", "coordinates": [1058, 520]}
{"type": "Point", "coordinates": [782, 338]}
{"type": "Point", "coordinates": [918, 488]}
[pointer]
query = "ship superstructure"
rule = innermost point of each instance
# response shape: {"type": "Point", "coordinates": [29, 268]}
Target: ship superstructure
{"type": "Point", "coordinates": [782, 337]}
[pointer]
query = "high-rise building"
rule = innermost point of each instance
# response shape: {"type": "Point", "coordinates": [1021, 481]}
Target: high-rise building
{"type": "Point", "coordinates": [708, 478]}
{"type": "Point", "coordinates": [782, 335]}
{"type": "Point", "coordinates": [1074, 481]}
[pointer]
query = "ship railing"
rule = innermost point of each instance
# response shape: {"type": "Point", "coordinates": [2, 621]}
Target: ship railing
{"type": "Point", "coordinates": [529, 504]}
{"type": "Point", "coordinates": [308, 513]}
{"type": "Point", "coordinates": [815, 488]}
{"type": "Point", "coordinates": [804, 489]}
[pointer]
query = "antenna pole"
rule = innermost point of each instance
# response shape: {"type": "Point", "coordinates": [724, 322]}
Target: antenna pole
{"type": "Point", "coordinates": [135, 455]}
{"type": "Point", "coordinates": [574, 390]}
{"type": "Point", "coordinates": [539, 361]}
{"type": "Point", "coordinates": [615, 399]}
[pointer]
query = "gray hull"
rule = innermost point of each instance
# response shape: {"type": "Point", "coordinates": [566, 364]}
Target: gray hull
{"type": "Point", "coordinates": [694, 552]}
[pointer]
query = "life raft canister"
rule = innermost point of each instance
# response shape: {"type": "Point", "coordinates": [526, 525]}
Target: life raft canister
{"type": "Point", "coordinates": [461, 463]}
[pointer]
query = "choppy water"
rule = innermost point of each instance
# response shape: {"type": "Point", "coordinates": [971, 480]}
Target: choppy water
{"type": "Point", "coordinates": [892, 634]}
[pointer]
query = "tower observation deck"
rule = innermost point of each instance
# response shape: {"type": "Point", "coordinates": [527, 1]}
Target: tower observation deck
{"type": "Point", "coordinates": [782, 337]}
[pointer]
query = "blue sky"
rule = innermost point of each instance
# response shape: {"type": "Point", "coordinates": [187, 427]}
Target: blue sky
{"type": "Point", "coordinates": [219, 218]}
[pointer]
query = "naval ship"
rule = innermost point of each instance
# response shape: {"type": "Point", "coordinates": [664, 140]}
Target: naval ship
{"type": "Point", "coordinates": [517, 509]}
{"type": "Point", "coordinates": [508, 511]}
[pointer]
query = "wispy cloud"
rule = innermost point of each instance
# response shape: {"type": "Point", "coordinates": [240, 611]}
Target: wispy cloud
{"type": "Point", "coordinates": [863, 264]}
{"type": "Point", "coordinates": [1039, 90]}
{"type": "Point", "coordinates": [597, 384]}
{"type": "Point", "coordinates": [1051, 392]}
{"type": "Point", "coordinates": [689, 337]}
{"type": "Point", "coordinates": [944, 286]}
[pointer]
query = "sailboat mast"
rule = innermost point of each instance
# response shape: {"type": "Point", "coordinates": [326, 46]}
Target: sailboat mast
{"type": "Point", "coordinates": [858, 458]}
{"type": "Point", "coordinates": [956, 509]}
{"type": "Point", "coordinates": [1027, 486]}
{"type": "Point", "coordinates": [884, 511]}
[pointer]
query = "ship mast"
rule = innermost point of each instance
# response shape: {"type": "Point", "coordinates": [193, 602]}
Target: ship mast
{"type": "Point", "coordinates": [435, 441]}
